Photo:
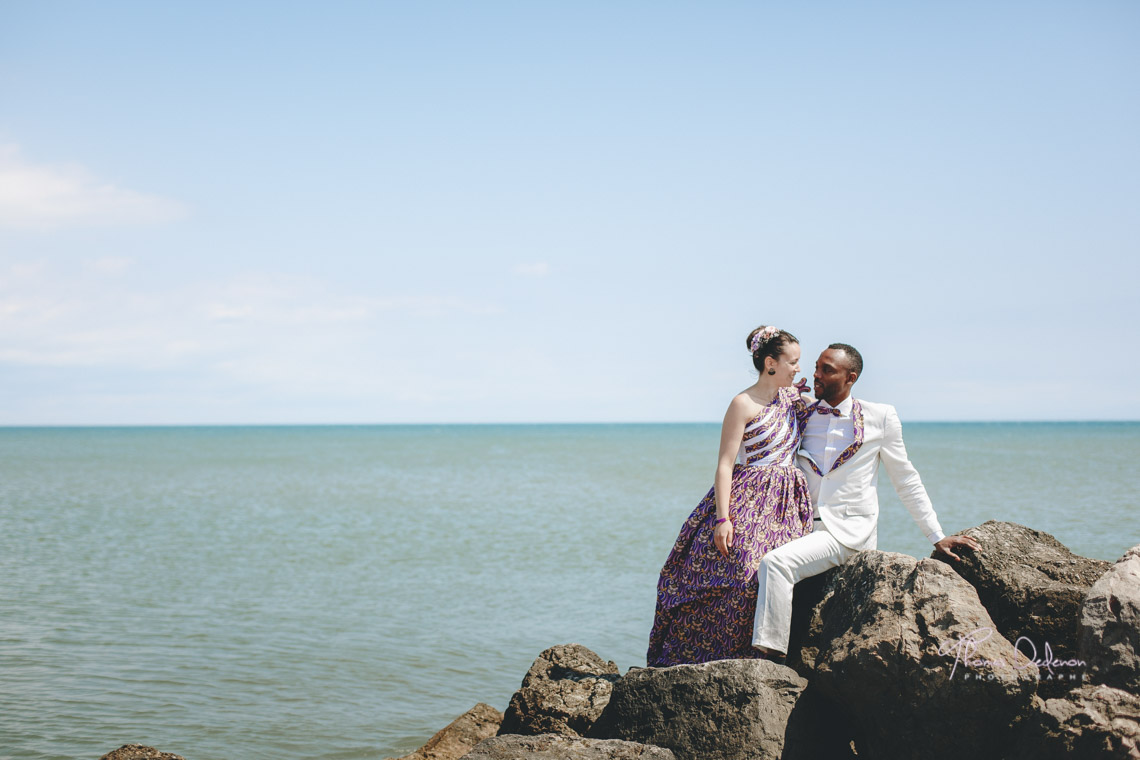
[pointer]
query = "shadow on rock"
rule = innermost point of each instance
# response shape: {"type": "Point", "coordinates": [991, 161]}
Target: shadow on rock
{"type": "Point", "coordinates": [564, 692]}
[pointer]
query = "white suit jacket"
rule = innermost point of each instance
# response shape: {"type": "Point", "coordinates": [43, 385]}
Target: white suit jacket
{"type": "Point", "coordinates": [848, 500]}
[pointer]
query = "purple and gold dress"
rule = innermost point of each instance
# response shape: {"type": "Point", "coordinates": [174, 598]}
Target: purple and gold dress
{"type": "Point", "coordinates": [705, 602]}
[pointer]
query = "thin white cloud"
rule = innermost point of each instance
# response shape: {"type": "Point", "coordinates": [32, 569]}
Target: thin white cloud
{"type": "Point", "coordinates": [435, 306]}
{"type": "Point", "coordinates": [35, 196]}
{"type": "Point", "coordinates": [298, 327]}
{"type": "Point", "coordinates": [110, 264]}
{"type": "Point", "coordinates": [296, 302]}
{"type": "Point", "coordinates": [220, 312]}
{"type": "Point", "coordinates": [533, 269]}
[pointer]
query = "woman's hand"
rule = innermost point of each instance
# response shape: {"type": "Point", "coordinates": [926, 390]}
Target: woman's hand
{"type": "Point", "coordinates": [722, 537]}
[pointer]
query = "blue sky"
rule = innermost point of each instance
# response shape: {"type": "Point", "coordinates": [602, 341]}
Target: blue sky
{"type": "Point", "coordinates": [248, 212]}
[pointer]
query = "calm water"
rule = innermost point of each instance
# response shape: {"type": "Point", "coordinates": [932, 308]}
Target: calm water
{"type": "Point", "coordinates": [344, 592]}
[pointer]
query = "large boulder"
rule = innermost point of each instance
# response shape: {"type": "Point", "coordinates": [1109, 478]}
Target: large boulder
{"type": "Point", "coordinates": [561, 747]}
{"type": "Point", "coordinates": [1110, 625]}
{"type": "Point", "coordinates": [564, 692]}
{"type": "Point", "coordinates": [908, 651]}
{"type": "Point", "coordinates": [1031, 584]}
{"type": "Point", "coordinates": [1090, 721]}
{"type": "Point", "coordinates": [460, 735]}
{"type": "Point", "coordinates": [722, 710]}
{"type": "Point", "coordinates": [140, 752]}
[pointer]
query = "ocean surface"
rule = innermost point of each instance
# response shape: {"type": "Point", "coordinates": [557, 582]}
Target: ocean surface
{"type": "Point", "coordinates": [344, 592]}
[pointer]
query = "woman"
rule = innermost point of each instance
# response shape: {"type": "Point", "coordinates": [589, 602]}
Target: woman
{"type": "Point", "coordinates": [706, 595]}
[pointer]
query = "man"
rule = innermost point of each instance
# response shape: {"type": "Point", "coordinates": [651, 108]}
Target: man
{"type": "Point", "coordinates": [844, 441]}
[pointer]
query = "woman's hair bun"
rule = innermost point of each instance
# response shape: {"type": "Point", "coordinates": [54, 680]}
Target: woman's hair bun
{"type": "Point", "coordinates": [767, 340]}
{"type": "Point", "coordinates": [762, 335]}
{"type": "Point", "coordinates": [751, 336]}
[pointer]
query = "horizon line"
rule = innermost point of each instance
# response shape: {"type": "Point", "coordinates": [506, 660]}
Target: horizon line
{"type": "Point", "coordinates": [156, 425]}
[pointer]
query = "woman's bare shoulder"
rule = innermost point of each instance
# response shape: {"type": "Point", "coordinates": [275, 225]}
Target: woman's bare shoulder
{"type": "Point", "coordinates": [743, 406]}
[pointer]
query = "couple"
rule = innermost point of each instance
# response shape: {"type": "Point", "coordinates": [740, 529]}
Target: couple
{"type": "Point", "coordinates": [726, 589]}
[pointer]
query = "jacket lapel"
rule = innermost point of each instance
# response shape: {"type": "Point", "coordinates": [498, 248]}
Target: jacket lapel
{"type": "Point", "coordinates": [850, 451]}
{"type": "Point", "coordinates": [811, 463]}
{"type": "Point", "coordinates": [803, 414]}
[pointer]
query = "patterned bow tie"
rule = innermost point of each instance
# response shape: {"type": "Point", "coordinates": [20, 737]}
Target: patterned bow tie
{"type": "Point", "coordinates": [828, 410]}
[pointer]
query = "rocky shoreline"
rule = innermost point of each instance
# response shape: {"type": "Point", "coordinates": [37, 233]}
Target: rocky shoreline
{"type": "Point", "coordinates": [1022, 650]}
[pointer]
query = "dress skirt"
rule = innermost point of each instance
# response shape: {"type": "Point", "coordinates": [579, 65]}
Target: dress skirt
{"type": "Point", "coordinates": [706, 602]}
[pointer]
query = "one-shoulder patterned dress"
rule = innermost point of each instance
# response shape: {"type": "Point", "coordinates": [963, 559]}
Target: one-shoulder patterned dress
{"type": "Point", "coordinates": [706, 602]}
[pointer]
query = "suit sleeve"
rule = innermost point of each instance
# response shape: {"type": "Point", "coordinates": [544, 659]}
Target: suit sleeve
{"type": "Point", "coordinates": [905, 478]}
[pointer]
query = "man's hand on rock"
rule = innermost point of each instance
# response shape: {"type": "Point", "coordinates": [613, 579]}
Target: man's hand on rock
{"type": "Point", "coordinates": [949, 543]}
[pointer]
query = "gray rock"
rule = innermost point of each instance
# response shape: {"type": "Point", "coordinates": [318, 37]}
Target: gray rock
{"type": "Point", "coordinates": [1032, 586]}
{"type": "Point", "coordinates": [908, 651]}
{"type": "Point", "coordinates": [140, 752]}
{"type": "Point", "coordinates": [460, 735]}
{"type": "Point", "coordinates": [1110, 625]}
{"type": "Point", "coordinates": [1091, 721]}
{"type": "Point", "coordinates": [561, 747]}
{"type": "Point", "coordinates": [722, 710]}
{"type": "Point", "coordinates": [564, 692]}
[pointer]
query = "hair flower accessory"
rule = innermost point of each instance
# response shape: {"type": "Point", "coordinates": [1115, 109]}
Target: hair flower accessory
{"type": "Point", "coordinates": [762, 337]}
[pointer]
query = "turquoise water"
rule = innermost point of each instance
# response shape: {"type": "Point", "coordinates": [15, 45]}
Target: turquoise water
{"type": "Point", "coordinates": [343, 592]}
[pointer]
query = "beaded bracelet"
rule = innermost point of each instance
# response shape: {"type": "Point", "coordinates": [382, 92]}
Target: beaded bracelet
{"type": "Point", "coordinates": [720, 520]}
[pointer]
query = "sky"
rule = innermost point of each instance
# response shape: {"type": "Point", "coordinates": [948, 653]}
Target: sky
{"type": "Point", "coordinates": [434, 212]}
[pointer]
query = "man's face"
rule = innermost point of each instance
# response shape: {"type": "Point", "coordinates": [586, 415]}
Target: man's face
{"type": "Point", "coordinates": [832, 376]}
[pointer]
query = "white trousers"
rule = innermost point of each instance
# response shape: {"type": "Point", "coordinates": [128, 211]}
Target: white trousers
{"type": "Point", "coordinates": [779, 571]}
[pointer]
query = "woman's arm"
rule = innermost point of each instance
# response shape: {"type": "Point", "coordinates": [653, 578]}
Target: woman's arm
{"type": "Point", "coordinates": [731, 433]}
{"type": "Point", "coordinates": [802, 402]}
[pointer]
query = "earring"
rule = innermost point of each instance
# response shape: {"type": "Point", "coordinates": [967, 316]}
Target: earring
{"type": "Point", "coordinates": [771, 372]}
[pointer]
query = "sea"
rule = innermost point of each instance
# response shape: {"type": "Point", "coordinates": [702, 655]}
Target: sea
{"type": "Point", "coordinates": [237, 593]}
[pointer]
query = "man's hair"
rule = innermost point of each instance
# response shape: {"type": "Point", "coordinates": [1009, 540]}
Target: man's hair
{"type": "Point", "coordinates": [854, 358]}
